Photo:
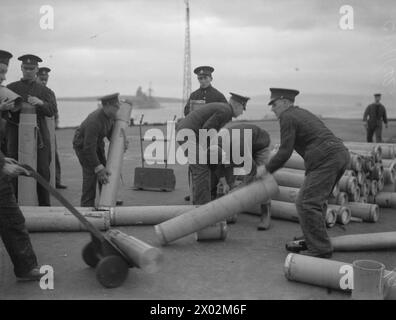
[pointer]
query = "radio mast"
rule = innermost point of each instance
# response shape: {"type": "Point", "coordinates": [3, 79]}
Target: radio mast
{"type": "Point", "coordinates": [187, 59]}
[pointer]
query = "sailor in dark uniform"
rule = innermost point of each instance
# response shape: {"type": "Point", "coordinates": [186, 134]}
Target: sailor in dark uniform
{"type": "Point", "coordinates": [206, 93]}
{"type": "Point", "coordinates": [373, 117]}
{"type": "Point", "coordinates": [325, 158]}
{"type": "Point", "coordinates": [42, 77]}
{"type": "Point", "coordinates": [12, 223]}
{"type": "Point", "coordinates": [88, 143]}
{"type": "Point", "coordinates": [38, 96]}
{"type": "Point", "coordinates": [213, 115]}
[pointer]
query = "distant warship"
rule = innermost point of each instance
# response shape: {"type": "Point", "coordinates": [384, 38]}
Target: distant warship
{"type": "Point", "coordinates": [145, 101]}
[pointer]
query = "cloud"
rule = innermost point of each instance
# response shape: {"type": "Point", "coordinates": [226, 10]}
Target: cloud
{"type": "Point", "coordinates": [101, 46]}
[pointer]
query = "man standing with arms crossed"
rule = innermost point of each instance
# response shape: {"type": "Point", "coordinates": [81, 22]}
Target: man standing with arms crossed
{"type": "Point", "coordinates": [206, 93]}
{"type": "Point", "coordinates": [38, 96]}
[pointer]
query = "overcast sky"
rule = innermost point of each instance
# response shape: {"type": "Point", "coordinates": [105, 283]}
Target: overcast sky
{"type": "Point", "coordinates": [99, 47]}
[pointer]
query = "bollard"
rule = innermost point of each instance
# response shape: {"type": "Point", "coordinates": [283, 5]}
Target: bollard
{"type": "Point", "coordinates": [139, 253]}
{"type": "Point", "coordinates": [366, 211]}
{"type": "Point", "coordinates": [259, 191]}
{"type": "Point", "coordinates": [27, 154]}
{"type": "Point", "coordinates": [218, 231]}
{"type": "Point", "coordinates": [368, 280]}
{"type": "Point", "coordinates": [115, 158]}
{"type": "Point", "coordinates": [386, 199]}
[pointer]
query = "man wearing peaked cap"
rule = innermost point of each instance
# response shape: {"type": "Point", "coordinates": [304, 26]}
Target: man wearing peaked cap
{"type": "Point", "coordinates": [88, 143]}
{"type": "Point", "coordinates": [5, 57]}
{"type": "Point", "coordinates": [12, 226]}
{"type": "Point", "coordinates": [213, 115]}
{"type": "Point", "coordinates": [325, 158]}
{"type": "Point", "coordinates": [240, 99]}
{"type": "Point", "coordinates": [40, 97]}
{"type": "Point", "coordinates": [278, 93]}
{"type": "Point", "coordinates": [373, 117]}
{"type": "Point", "coordinates": [42, 77]}
{"type": "Point", "coordinates": [206, 92]}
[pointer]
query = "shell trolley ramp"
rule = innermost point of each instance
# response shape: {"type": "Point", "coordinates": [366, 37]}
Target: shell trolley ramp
{"type": "Point", "coordinates": [154, 179]}
{"type": "Point", "coordinates": [111, 264]}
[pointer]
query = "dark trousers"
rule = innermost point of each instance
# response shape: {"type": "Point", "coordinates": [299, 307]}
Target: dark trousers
{"type": "Point", "coordinates": [371, 129]}
{"type": "Point", "coordinates": [314, 193]}
{"type": "Point", "coordinates": [57, 166]}
{"type": "Point", "coordinates": [16, 240]}
{"type": "Point", "coordinates": [200, 183]}
{"type": "Point", "coordinates": [90, 181]}
{"type": "Point", "coordinates": [43, 168]}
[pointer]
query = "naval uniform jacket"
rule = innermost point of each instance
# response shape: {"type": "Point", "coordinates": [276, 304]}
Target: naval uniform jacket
{"type": "Point", "coordinates": [260, 141]}
{"type": "Point", "coordinates": [304, 132]}
{"type": "Point", "coordinates": [213, 115]}
{"type": "Point", "coordinates": [376, 113]}
{"type": "Point", "coordinates": [260, 137]}
{"type": "Point", "coordinates": [54, 103]}
{"type": "Point", "coordinates": [25, 88]}
{"type": "Point", "coordinates": [88, 138]}
{"type": "Point", "coordinates": [208, 94]}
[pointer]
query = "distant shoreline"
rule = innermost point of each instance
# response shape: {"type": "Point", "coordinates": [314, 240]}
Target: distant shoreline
{"type": "Point", "coordinates": [261, 120]}
{"type": "Point", "coordinates": [96, 98]}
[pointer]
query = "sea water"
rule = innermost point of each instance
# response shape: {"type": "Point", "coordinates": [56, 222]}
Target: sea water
{"type": "Point", "coordinates": [72, 113]}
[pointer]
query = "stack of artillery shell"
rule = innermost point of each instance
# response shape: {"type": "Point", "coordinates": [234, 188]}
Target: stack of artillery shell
{"type": "Point", "coordinates": [346, 204]}
{"type": "Point", "coordinates": [379, 170]}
